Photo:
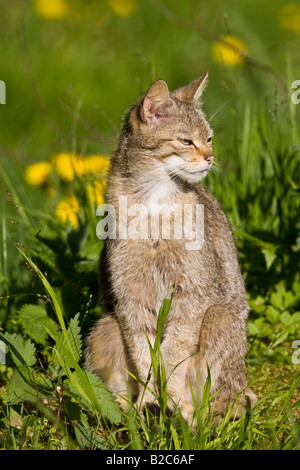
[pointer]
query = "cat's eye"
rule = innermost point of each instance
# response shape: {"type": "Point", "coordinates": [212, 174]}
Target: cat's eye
{"type": "Point", "coordinates": [186, 141]}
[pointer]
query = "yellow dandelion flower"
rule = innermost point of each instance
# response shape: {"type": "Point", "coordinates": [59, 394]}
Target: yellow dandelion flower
{"type": "Point", "coordinates": [96, 164]}
{"type": "Point", "coordinates": [67, 210]}
{"type": "Point", "coordinates": [230, 50]}
{"type": "Point", "coordinates": [289, 17]}
{"type": "Point", "coordinates": [38, 174]}
{"type": "Point", "coordinates": [78, 165]}
{"type": "Point", "coordinates": [95, 193]}
{"type": "Point", "coordinates": [123, 7]}
{"type": "Point", "coordinates": [51, 9]}
{"type": "Point", "coordinates": [67, 165]}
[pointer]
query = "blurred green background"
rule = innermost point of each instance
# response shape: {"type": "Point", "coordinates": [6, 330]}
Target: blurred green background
{"type": "Point", "coordinates": [72, 63]}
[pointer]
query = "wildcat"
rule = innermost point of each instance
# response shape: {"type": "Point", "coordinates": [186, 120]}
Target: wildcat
{"type": "Point", "coordinates": [165, 149]}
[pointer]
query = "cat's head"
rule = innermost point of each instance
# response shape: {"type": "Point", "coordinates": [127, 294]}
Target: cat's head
{"type": "Point", "coordinates": [173, 129]}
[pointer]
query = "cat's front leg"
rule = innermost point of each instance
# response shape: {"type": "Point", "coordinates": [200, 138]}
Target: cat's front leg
{"type": "Point", "coordinates": [138, 327]}
{"type": "Point", "coordinates": [221, 347]}
{"type": "Point", "coordinates": [180, 343]}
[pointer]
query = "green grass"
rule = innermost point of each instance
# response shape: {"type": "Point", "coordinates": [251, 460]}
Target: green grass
{"type": "Point", "coordinates": [71, 99]}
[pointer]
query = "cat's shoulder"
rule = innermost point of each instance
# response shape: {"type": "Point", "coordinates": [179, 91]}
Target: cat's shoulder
{"type": "Point", "coordinates": [213, 210]}
{"type": "Point", "coordinates": [204, 196]}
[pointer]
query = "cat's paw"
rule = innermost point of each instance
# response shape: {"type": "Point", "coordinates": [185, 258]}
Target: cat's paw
{"type": "Point", "coordinates": [124, 400]}
{"type": "Point", "coordinates": [236, 405]}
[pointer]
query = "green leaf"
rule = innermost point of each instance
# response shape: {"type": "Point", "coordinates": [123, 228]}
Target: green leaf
{"type": "Point", "coordinates": [15, 419]}
{"type": "Point", "coordinates": [270, 253]}
{"type": "Point", "coordinates": [86, 438]}
{"type": "Point", "coordinates": [253, 328]}
{"type": "Point", "coordinates": [163, 392]}
{"type": "Point", "coordinates": [56, 306]}
{"type": "Point", "coordinates": [34, 320]}
{"type": "Point", "coordinates": [258, 304]}
{"type": "Point", "coordinates": [288, 319]}
{"type": "Point", "coordinates": [280, 339]}
{"type": "Point", "coordinates": [82, 386]}
{"type": "Point", "coordinates": [75, 342]}
{"type": "Point", "coordinates": [285, 317]}
{"type": "Point", "coordinates": [75, 336]}
{"type": "Point", "coordinates": [85, 386]}
{"type": "Point", "coordinates": [154, 360]}
{"type": "Point", "coordinates": [162, 319]}
{"type": "Point", "coordinates": [26, 385]}
{"type": "Point", "coordinates": [259, 328]}
{"type": "Point", "coordinates": [22, 350]}
{"type": "Point", "coordinates": [72, 356]}
{"type": "Point", "coordinates": [269, 250]}
{"type": "Point", "coordinates": [272, 314]}
{"type": "Point", "coordinates": [110, 407]}
{"type": "Point", "coordinates": [282, 298]}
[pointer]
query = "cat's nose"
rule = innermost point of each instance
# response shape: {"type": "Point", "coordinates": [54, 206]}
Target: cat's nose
{"type": "Point", "coordinates": [209, 159]}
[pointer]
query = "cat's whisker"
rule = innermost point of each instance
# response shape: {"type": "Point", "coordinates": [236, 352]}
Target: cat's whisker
{"type": "Point", "coordinates": [216, 169]}
{"type": "Point", "coordinates": [218, 110]}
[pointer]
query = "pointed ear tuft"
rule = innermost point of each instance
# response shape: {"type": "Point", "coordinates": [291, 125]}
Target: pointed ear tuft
{"type": "Point", "coordinates": [193, 91]}
{"type": "Point", "coordinates": [156, 105]}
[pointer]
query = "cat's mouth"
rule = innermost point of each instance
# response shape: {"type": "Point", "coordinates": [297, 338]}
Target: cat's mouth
{"type": "Point", "coordinates": [193, 175]}
{"type": "Point", "coordinates": [194, 171]}
{"type": "Point", "coordinates": [201, 169]}
{"type": "Point", "coordinates": [188, 171]}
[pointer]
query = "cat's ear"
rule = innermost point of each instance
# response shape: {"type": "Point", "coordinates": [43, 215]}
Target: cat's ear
{"type": "Point", "coordinates": [156, 107]}
{"type": "Point", "coordinates": [193, 90]}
